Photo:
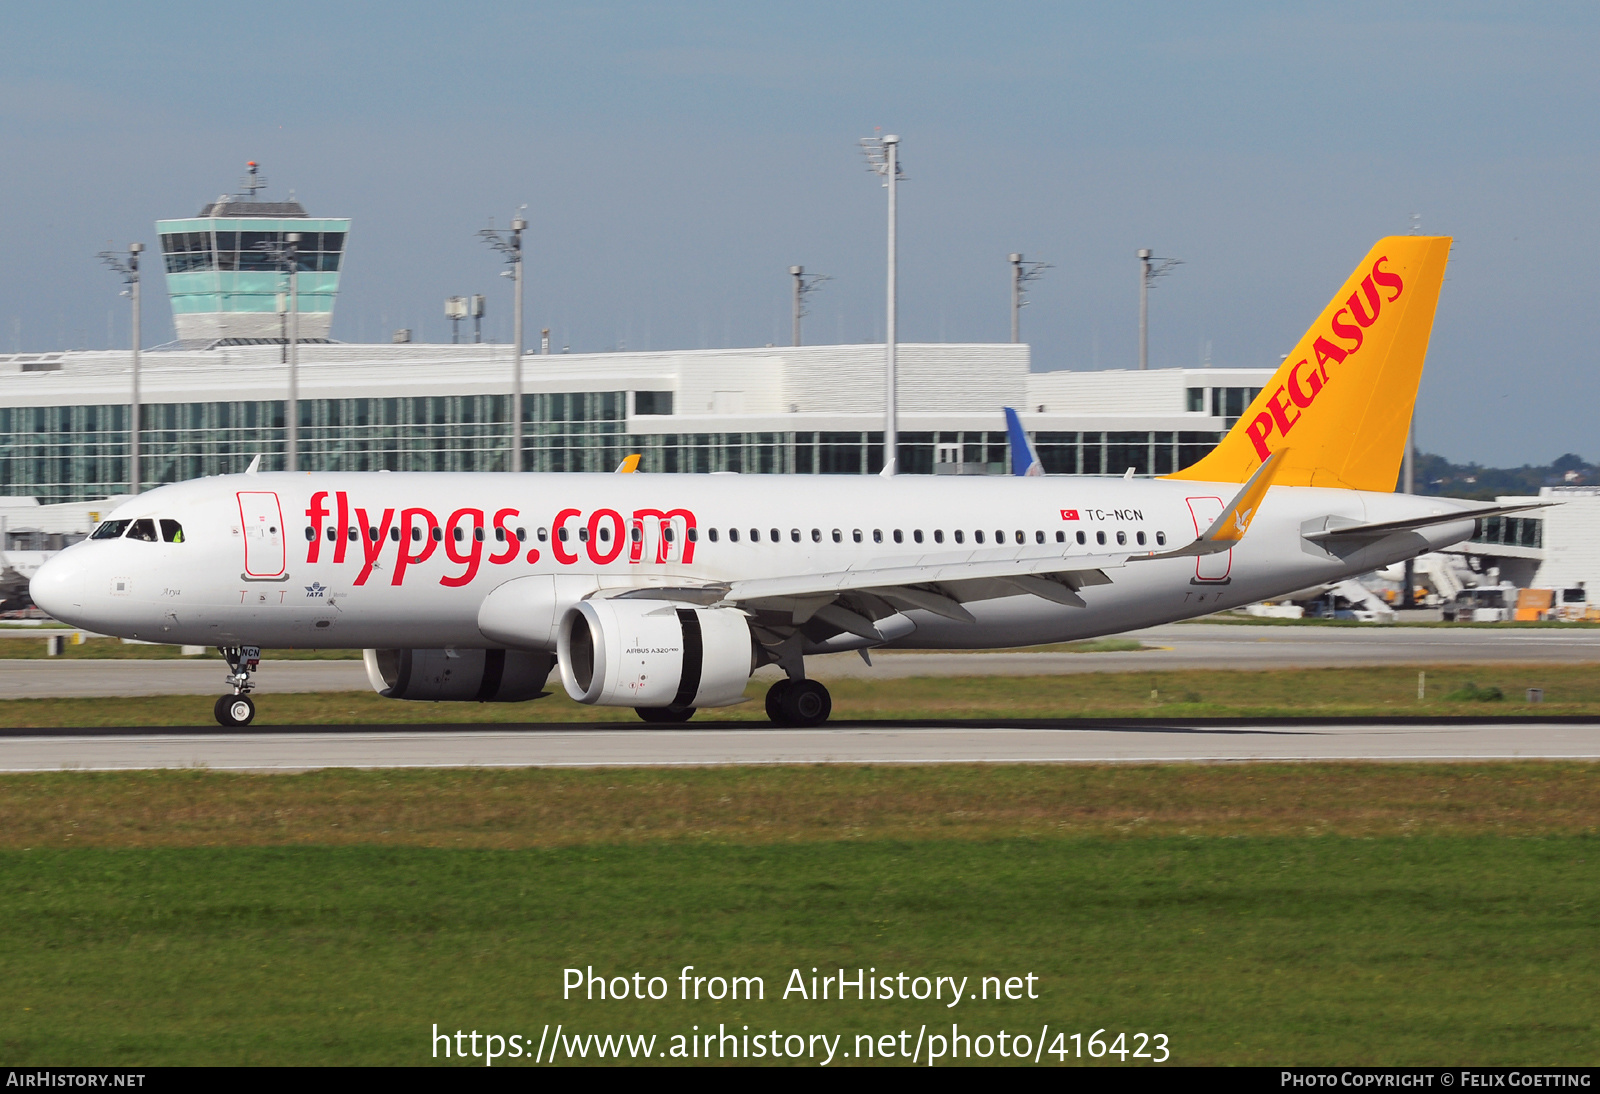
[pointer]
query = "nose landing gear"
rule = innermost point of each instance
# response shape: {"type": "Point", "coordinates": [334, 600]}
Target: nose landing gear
{"type": "Point", "coordinates": [237, 710]}
{"type": "Point", "coordinates": [798, 703]}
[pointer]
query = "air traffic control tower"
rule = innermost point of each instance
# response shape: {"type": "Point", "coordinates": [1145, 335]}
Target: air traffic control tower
{"type": "Point", "coordinates": [227, 276]}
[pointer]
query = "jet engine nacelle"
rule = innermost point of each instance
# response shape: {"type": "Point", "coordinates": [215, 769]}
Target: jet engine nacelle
{"type": "Point", "coordinates": [654, 653]}
{"type": "Point", "coordinates": [459, 675]}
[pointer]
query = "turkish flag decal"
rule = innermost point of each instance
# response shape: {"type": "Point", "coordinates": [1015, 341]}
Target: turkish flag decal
{"type": "Point", "coordinates": [1069, 514]}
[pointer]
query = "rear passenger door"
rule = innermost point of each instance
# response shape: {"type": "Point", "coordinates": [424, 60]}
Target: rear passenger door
{"type": "Point", "coordinates": [261, 519]}
{"type": "Point", "coordinates": [1208, 569]}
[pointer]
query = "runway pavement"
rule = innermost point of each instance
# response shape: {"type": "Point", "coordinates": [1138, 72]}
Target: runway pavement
{"type": "Point", "coordinates": [292, 749]}
{"type": "Point", "coordinates": [1179, 646]}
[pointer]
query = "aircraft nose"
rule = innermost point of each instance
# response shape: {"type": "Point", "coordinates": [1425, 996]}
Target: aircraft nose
{"type": "Point", "coordinates": [58, 588]}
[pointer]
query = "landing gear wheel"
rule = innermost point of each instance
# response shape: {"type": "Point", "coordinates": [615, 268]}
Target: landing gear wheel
{"type": "Point", "coordinates": [805, 703]}
{"type": "Point", "coordinates": [775, 696]}
{"type": "Point", "coordinates": [665, 714]}
{"type": "Point", "coordinates": [235, 710]}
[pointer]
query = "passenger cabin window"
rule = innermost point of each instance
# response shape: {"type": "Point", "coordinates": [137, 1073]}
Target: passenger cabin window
{"type": "Point", "coordinates": [1122, 539]}
{"type": "Point", "coordinates": [855, 534]}
{"type": "Point", "coordinates": [1161, 539]}
{"type": "Point", "coordinates": [755, 535]}
{"type": "Point", "coordinates": [977, 536]}
{"type": "Point", "coordinates": [111, 529]}
{"type": "Point", "coordinates": [1082, 539]}
{"type": "Point", "coordinates": [938, 535]}
{"type": "Point", "coordinates": [1100, 538]}
{"type": "Point", "coordinates": [917, 535]}
{"type": "Point", "coordinates": [144, 529]}
{"type": "Point", "coordinates": [171, 531]}
{"type": "Point", "coordinates": [776, 538]}
{"type": "Point", "coordinates": [1139, 538]}
{"type": "Point", "coordinates": [733, 535]}
{"type": "Point", "coordinates": [1061, 537]}
{"type": "Point", "coordinates": [838, 536]}
{"type": "Point", "coordinates": [794, 534]}
{"type": "Point", "coordinates": [960, 535]}
{"type": "Point", "coordinates": [816, 535]}
{"type": "Point", "coordinates": [710, 532]}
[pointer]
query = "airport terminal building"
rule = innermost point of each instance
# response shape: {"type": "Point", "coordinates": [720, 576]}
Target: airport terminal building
{"type": "Point", "coordinates": [64, 417]}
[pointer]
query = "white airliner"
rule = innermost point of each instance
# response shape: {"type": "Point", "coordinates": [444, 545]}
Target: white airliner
{"type": "Point", "coordinates": [665, 592]}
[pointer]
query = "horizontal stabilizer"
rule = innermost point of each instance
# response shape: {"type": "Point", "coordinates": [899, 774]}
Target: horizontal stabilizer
{"type": "Point", "coordinates": [1389, 527]}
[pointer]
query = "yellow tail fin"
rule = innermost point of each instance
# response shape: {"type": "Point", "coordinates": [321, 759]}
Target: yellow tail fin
{"type": "Point", "coordinates": [1340, 405]}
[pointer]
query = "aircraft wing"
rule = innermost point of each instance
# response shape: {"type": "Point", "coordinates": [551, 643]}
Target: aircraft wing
{"type": "Point", "coordinates": [853, 600]}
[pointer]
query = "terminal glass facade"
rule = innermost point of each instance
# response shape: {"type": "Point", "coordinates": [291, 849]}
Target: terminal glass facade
{"type": "Point", "coordinates": [1511, 531]}
{"type": "Point", "coordinates": [79, 453]}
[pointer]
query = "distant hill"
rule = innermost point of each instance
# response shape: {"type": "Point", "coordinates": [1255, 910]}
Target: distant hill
{"type": "Point", "coordinates": [1437, 475]}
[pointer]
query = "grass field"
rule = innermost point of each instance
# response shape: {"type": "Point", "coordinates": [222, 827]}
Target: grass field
{"type": "Point", "coordinates": [1263, 914]}
{"type": "Point", "coordinates": [1342, 692]}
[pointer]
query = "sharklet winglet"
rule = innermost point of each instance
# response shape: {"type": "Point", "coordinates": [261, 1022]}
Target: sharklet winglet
{"type": "Point", "coordinates": [1234, 520]}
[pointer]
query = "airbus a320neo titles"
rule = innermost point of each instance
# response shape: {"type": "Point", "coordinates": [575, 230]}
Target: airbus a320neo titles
{"type": "Point", "coordinates": [666, 592]}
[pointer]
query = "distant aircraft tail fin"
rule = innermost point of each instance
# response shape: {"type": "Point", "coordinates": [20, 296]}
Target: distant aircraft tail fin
{"type": "Point", "coordinates": [1343, 398]}
{"type": "Point", "coordinates": [1024, 460]}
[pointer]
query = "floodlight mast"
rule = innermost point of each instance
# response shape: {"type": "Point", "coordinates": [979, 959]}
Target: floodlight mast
{"type": "Point", "coordinates": [285, 254]}
{"type": "Point", "coordinates": [511, 247]}
{"type": "Point", "coordinates": [883, 159]}
{"type": "Point", "coordinates": [129, 270]}
{"type": "Point", "coordinates": [1022, 272]}
{"type": "Point", "coordinates": [1147, 275]}
{"type": "Point", "coordinates": [803, 287]}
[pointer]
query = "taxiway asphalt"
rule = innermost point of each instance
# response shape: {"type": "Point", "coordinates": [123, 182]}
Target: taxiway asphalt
{"type": "Point", "coordinates": [307, 748]}
{"type": "Point", "coordinates": [1177, 646]}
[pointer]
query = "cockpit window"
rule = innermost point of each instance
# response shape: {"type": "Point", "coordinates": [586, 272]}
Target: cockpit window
{"type": "Point", "coordinates": [144, 529]}
{"type": "Point", "coordinates": [172, 531]}
{"type": "Point", "coordinates": [111, 529]}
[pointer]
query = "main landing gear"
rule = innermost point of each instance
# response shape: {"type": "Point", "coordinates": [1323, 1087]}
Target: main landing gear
{"type": "Point", "coordinates": [237, 710]}
{"type": "Point", "coordinates": [789, 703]}
{"type": "Point", "coordinates": [798, 703]}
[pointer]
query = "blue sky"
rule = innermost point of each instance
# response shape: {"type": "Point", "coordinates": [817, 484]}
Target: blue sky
{"type": "Point", "coordinates": [677, 159]}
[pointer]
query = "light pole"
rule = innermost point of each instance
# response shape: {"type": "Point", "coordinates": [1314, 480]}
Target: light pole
{"type": "Point", "coordinates": [1021, 273]}
{"type": "Point", "coordinates": [803, 286]}
{"type": "Point", "coordinates": [883, 159]}
{"type": "Point", "coordinates": [512, 249]}
{"type": "Point", "coordinates": [292, 250]}
{"type": "Point", "coordinates": [130, 274]}
{"type": "Point", "coordinates": [1408, 483]}
{"type": "Point", "coordinates": [1148, 274]}
{"type": "Point", "coordinates": [285, 254]}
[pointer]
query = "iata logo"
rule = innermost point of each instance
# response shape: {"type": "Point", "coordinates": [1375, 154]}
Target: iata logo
{"type": "Point", "coordinates": [417, 533]}
{"type": "Point", "coordinates": [1306, 381]}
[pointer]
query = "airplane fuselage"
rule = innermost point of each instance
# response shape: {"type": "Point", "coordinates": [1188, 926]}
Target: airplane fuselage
{"type": "Point", "coordinates": [382, 560]}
